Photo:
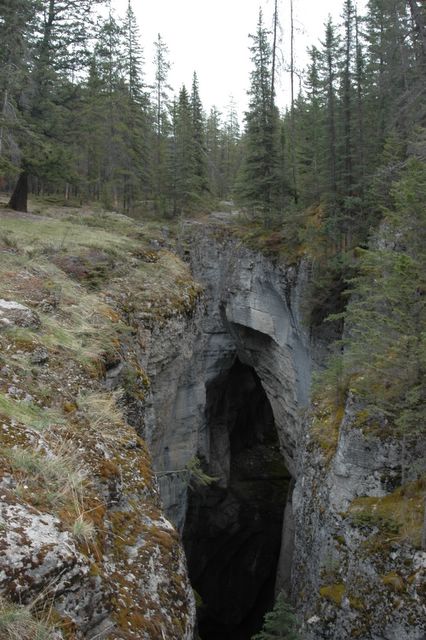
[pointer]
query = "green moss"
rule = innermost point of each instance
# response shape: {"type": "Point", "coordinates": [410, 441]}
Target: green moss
{"type": "Point", "coordinates": [394, 582]}
{"type": "Point", "coordinates": [325, 429]}
{"type": "Point", "coordinates": [398, 515]}
{"type": "Point", "coordinates": [357, 603]}
{"type": "Point", "coordinates": [333, 592]}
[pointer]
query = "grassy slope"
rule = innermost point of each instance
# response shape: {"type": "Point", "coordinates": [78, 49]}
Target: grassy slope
{"type": "Point", "coordinates": [63, 437]}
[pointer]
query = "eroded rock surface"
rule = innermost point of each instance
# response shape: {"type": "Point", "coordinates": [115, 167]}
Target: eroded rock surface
{"type": "Point", "coordinates": [15, 314]}
{"type": "Point", "coordinates": [350, 570]}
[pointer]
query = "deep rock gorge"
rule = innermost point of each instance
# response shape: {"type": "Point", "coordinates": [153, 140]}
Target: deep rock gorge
{"type": "Point", "coordinates": [231, 388]}
{"type": "Point", "coordinates": [192, 382]}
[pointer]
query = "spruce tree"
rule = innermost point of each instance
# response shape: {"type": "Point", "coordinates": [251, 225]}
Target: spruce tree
{"type": "Point", "coordinates": [163, 140]}
{"type": "Point", "coordinates": [59, 49]}
{"type": "Point", "coordinates": [198, 140]}
{"type": "Point", "coordinates": [215, 153]}
{"type": "Point", "coordinates": [385, 353]}
{"type": "Point", "coordinates": [259, 184]}
{"type": "Point", "coordinates": [232, 152]}
{"type": "Point", "coordinates": [328, 76]}
{"type": "Point", "coordinates": [183, 159]}
{"type": "Point", "coordinates": [15, 60]}
{"type": "Point", "coordinates": [136, 117]}
{"type": "Point", "coordinates": [280, 623]}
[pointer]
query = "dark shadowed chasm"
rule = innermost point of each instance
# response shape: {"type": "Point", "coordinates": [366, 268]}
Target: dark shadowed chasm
{"type": "Point", "coordinates": [233, 528]}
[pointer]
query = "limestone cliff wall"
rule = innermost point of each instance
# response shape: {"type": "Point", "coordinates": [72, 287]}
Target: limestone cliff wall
{"type": "Point", "coordinates": [85, 548]}
{"type": "Point", "coordinates": [345, 576]}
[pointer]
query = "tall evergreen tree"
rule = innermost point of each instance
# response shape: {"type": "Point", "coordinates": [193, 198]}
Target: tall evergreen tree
{"type": "Point", "coordinates": [183, 160]}
{"type": "Point", "coordinates": [162, 124]}
{"type": "Point", "coordinates": [136, 118]}
{"type": "Point", "coordinates": [231, 148]}
{"type": "Point", "coordinates": [280, 623]}
{"type": "Point", "coordinates": [59, 49]}
{"type": "Point", "coordinates": [198, 139]}
{"type": "Point", "coordinates": [310, 149]}
{"type": "Point", "coordinates": [328, 76]}
{"type": "Point", "coordinates": [15, 57]}
{"type": "Point", "coordinates": [215, 153]}
{"type": "Point", "coordinates": [259, 185]}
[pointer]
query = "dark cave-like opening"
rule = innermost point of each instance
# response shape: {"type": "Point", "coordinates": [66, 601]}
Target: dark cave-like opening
{"type": "Point", "coordinates": [233, 528]}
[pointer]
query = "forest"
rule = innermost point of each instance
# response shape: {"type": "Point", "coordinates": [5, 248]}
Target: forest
{"type": "Point", "coordinates": [344, 161]}
{"type": "Point", "coordinates": [335, 182]}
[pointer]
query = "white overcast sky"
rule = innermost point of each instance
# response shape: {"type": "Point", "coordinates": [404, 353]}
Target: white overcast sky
{"type": "Point", "coordinates": [211, 38]}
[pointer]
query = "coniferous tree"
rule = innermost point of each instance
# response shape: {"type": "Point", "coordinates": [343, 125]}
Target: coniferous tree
{"type": "Point", "coordinates": [232, 154]}
{"type": "Point", "coordinates": [215, 153]}
{"type": "Point", "coordinates": [162, 125]}
{"type": "Point", "coordinates": [347, 97]}
{"type": "Point", "coordinates": [183, 159]}
{"type": "Point", "coordinates": [328, 77]}
{"type": "Point", "coordinates": [136, 128]}
{"type": "Point", "coordinates": [387, 314]}
{"type": "Point", "coordinates": [59, 49]}
{"type": "Point", "coordinates": [280, 623]}
{"type": "Point", "coordinates": [310, 136]}
{"type": "Point", "coordinates": [198, 140]}
{"type": "Point", "coordinates": [15, 54]}
{"type": "Point", "coordinates": [259, 184]}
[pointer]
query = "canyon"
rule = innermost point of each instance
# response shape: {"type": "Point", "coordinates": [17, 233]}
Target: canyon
{"type": "Point", "coordinates": [232, 387]}
{"type": "Point", "coordinates": [213, 474]}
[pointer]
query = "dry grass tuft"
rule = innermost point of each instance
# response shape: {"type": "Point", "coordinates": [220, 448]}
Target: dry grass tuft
{"type": "Point", "coordinates": [17, 622]}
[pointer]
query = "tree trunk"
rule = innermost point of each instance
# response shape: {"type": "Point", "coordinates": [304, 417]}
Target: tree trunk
{"type": "Point", "coordinates": [4, 115]}
{"type": "Point", "coordinates": [420, 25]}
{"type": "Point", "coordinates": [292, 121]}
{"type": "Point", "coordinates": [19, 199]}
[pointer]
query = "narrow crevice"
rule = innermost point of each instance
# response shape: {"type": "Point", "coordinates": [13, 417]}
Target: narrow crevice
{"type": "Point", "coordinates": [233, 528]}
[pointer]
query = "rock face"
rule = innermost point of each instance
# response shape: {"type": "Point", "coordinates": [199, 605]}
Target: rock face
{"type": "Point", "coordinates": [218, 388]}
{"type": "Point", "coordinates": [346, 578]}
{"type": "Point", "coordinates": [251, 320]}
{"type": "Point", "coordinates": [251, 312]}
{"type": "Point", "coordinates": [85, 548]}
{"type": "Point", "coordinates": [366, 577]}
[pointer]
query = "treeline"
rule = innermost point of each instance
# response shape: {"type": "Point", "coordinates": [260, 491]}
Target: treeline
{"type": "Point", "coordinates": [326, 165]}
{"type": "Point", "coordinates": [348, 157]}
{"type": "Point", "coordinates": [78, 118]}
{"type": "Point", "coordinates": [341, 177]}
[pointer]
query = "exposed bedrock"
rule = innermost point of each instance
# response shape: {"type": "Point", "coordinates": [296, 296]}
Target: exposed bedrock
{"type": "Point", "coordinates": [251, 310]}
{"type": "Point", "coordinates": [230, 387]}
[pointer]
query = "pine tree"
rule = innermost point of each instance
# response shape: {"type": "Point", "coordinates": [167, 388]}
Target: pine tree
{"type": "Point", "coordinates": [59, 46]}
{"type": "Point", "coordinates": [161, 155]}
{"type": "Point", "coordinates": [136, 120]}
{"type": "Point", "coordinates": [183, 160]}
{"type": "Point", "coordinates": [328, 76]}
{"type": "Point", "coordinates": [280, 623]}
{"type": "Point", "coordinates": [259, 184]}
{"type": "Point", "coordinates": [347, 96]}
{"type": "Point", "coordinates": [198, 140]}
{"type": "Point", "coordinates": [15, 55]}
{"type": "Point", "coordinates": [387, 314]}
{"type": "Point", "coordinates": [215, 153]}
{"type": "Point", "coordinates": [310, 136]}
{"type": "Point", "coordinates": [231, 148]}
